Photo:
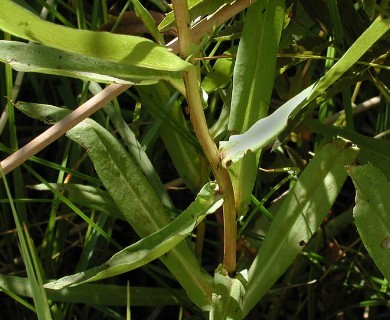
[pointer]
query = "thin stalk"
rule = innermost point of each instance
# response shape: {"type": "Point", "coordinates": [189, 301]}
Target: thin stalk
{"type": "Point", "coordinates": [60, 128]}
{"type": "Point", "coordinates": [198, 120]}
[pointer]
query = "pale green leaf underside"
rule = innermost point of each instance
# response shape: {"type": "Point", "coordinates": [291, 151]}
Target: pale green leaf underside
{"type": "Point", "coordinates": [125, 49]}
{"type": "Point", "coordinates": [267, 129]}
{"type": "Point", "coordinates": [153, 246]}
{"type": "Point", "coordinates": [300, 214]}
{"type": "Point", "coordinates": [37, 58]}
{"type": "Point", "coordinates": [372, 213]}
{"type": "Point", "coordinates": [228, 294]}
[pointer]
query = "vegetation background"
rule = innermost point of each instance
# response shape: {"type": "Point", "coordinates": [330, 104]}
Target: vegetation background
{"type": "Point", "coordinates": [67, 209]}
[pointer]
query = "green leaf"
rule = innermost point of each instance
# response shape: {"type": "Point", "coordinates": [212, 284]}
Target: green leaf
{"type": "Point", "coordinates": [254, 71]}
{"type": "Point", "coordinates": [87, 196]}
{"type": "Point", "coordinates": [228, 296]}
{"type": "Point", "coordinates": [148, 21]}
{"type": "Point", "coordinates": [152, 246]}
{"type": "Point", "coordinates": [138, 52]}
{"type": "Point", "coordinates": [134, 148]}
{"type": "Point", "coordinates": [267, 129]}
{"type": "Point", "coordinates": [31, 57]}
{"type": "Point", "coordinates": [300, 214]}
{"type": "Point", "coordinates": [139, 204]}
{"type": "Point", "coordinates": [97, 294]}
{"type": "Point", "coordinates": [221, 74]}
{"type": "Point", "coordinates": [197, 8]}
{"type": "Point", "coordinates": [43, 112]}
{"type": "Point", "coordinates": [253, 79]}
{"type": "Point", "coordinates": [371, 213]}
{"type": "Point", "coordinates": [375, 151]}
{"type": "Point", "coordinates": [174, 132]}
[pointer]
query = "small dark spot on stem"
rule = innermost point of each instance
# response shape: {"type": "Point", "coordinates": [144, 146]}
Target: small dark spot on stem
{"type": "Point", "coordinates": [302, 243]}
{"type": "Point", "coordinates": [264, 10]}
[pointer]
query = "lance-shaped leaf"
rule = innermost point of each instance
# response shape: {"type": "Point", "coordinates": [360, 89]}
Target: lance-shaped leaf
{"type": "Point", "coordinates": [267, 129]}
{"type": "Point", "coordinates": [372, 213]}
{"type": "Point", "coordinates": [298, 218]}
{"type": "Point", "coordinates": [253, 80]}
{"type": "Point", "coordinates": [138, 52]}
{"type": "Point", "coordinates": [32, 57]}
{"type": "Point", "coordinates": [154, 245]}
{"type": "Point", "coordinates": [139, 204]}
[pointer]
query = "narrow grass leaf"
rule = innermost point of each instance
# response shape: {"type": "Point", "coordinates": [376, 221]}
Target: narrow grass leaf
{"type": "Point", "coordinates": [197, 8]}
{"type": "Point", "coordinates": [39, 297]}
{"type": "Point", "coordinates": [148, 21]}
{"type": "Point", "coordinates": [298, 218]}
{"type": "Point", "coordinates": [84, 195]}
{"type": "Point", "coordinates": [98, 294]}
{"type": "Point", "coordinates": [134, 51]}
{"type": "Point", "coordinates": [267, 129]}
{"type": "Point", "coordinates": [152, 246]}
{"type": "Point", "coordinates": [139, 204]}
{"type": "Point", "coordinates": [371, 213]}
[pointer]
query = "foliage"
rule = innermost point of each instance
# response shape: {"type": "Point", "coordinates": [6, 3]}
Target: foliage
{"type": "Point", "coordinates": [158, 195]}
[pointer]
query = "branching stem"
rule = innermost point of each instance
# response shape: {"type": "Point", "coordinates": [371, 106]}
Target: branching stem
{"type": "Point", "coordinates": [191, 80]}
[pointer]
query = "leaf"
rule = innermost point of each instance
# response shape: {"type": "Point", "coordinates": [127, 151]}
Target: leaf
{"type": "Point", "coordinates": [139, 204]}
{"type": "Point", "coordinates": [88, 196]}
{"type": "Point", "coordinates": [375, 151]}
{"type": "Point", "coordinates": [148, 21]}
{"type": "Point", "coordinates": [134, 148]}
{"type": "Point", "coordinates": [152, 246]}
{"type": "Point", "coordinates": [267, 129]}
{"type": "Point", "coordinates": [197, 8]}
{"type": "Point", "coordinates": [31, 57]}
{"type": "Point", "coordinates": [134, 51]}
{"type": "Point", "coordinates": [298, 218]}
{"type": "Point", "coordinates": [228, 295]}
{"type": "Point", "coordinates": [97, 294]}
{"type": "Point", "coordinates": [253, 79]}
{"type": "Point", "coordinates": [221, 74]}
{"type": "Point", "coordinates": [174, 132]}
{"type": "Point", "coordinates": [371, 213]}
{"type": "Point", "coordinates": [43, 112]}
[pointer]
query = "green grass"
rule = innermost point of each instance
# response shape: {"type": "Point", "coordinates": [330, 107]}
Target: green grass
{"type": "Point", "coordinates": [92, 223]}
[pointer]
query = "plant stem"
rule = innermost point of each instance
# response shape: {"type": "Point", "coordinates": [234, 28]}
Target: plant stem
{"type": "Point", "coordinates": [199, 123]}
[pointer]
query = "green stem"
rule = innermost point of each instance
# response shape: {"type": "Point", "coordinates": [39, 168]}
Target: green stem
{"type": "Point", "coordinates": [209, 147]}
